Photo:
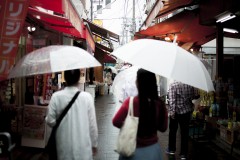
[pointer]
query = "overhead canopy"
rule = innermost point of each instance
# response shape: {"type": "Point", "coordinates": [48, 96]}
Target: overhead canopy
{"type": "Point", "coordinates": [184, 25]}
{"type": "Point", "coordinates": [53, 5]}
{"type": "Point", "coordinates": [203, 26]}
{"type": "Point", "coordinates": [163, 7]}
{"type": "Point", "coordinates": [61, 16]}
{"type": "Point", "coordinates": [102, 55]}
{"type": "Point", "coordinates": [102, 32]}
{"type": "Point", "coordinates": [103, 42]}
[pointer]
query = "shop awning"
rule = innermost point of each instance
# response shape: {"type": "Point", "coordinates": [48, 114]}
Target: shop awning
{"type": "Point", "coordinates": [62, 17]}
{"type": "Point", "coordinates": [103, 56]}
{"type": "Point", "coordinates": [53, 5]}
{"type": "Point", "coordinates": [105, 52]}
{"type": "Point", "coordinates": [163, 7]}
{"type": "Point", "coordinates": [184, 25]}
{"type": "Point", "coordinates": [102, 32]}
{"type": "Point", "coordinates": [102, 36]}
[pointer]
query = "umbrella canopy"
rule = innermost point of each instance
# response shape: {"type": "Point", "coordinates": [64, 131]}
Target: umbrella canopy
{"type": "Point", "coordinates": [168, 60]}
{"type": "Point", "coordinates": [52, 59]}
{"type": "Point", "coordinates": [124, 84]}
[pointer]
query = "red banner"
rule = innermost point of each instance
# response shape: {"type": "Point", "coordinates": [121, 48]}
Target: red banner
{"type": "Point", "coordinates": [13, 13]}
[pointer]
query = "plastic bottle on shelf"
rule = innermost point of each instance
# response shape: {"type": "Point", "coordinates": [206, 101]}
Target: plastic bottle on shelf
{"type": "Point", "coordinates": [210, 111]}
{"type": "Point", "coordinates": [234, 114]}
{"type": "Point", "coordinates": [230, 123]}
{"type": "Point", "coordinates": [214, 109]}
{"type": "Point", "coordinates": [217, 109]}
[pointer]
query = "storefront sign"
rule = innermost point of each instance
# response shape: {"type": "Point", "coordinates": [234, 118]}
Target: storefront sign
{"type": "Point", "coordinates": [13, 13]}
{"type": "Point", "coordinates": [99, 23]}
{"type": "Point", "coordinates": [89, 39]}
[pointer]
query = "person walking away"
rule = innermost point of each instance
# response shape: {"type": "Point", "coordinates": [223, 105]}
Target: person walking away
{"type": "Point", "coordinates": [77, 134]}
{"type": "Point", "coordinates": [128, 89]}
{"type": "Point", "coordinates": [180, 108]}
{"type": "Point", "coordinates": [152, 115]}
{"type": "Point", "coordinates": [108, 79]}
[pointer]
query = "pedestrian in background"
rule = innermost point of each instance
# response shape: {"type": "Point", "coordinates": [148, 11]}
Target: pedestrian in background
{"type": "Point", "coordinates": [77, 134]}
{"type": "Point", "coordinates": [108, 79]}
{"type": "Point", "coordinates": [180, 110]}
{"type": "Point", "coordinates": [152, 115]}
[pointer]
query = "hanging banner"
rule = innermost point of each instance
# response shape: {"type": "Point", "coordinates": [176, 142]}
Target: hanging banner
{"type": "Point", "coordinates": [13, 14]}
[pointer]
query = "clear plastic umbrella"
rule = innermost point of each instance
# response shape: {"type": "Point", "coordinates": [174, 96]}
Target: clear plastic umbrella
{"type": "Point", "coordinates": [52, 59]}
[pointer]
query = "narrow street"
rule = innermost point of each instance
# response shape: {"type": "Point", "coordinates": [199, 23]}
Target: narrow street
{"type": "Point", "coordinates": [105, 109]}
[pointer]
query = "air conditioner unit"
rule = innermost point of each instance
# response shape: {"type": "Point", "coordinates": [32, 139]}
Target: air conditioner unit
{"type": "Point", "coordinates": [99, 9]}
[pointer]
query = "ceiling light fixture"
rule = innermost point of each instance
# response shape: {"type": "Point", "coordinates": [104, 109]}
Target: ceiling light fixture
{"type": "Point", "coordinates": [230, 30]}
{"type": "Point", "coordinates": [31, 28]}
{"type": "Point", "coordinates": [226, 18]}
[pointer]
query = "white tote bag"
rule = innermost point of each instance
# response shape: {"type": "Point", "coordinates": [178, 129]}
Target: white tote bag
{"type": "Point", "coordinates": [126, 142]}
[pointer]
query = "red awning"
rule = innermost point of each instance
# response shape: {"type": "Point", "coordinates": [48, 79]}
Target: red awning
{"type": "Point", "coordinates": [185, 25]}
{"type": "Point", "coordinates": [53, 5]}
{"type": "Point", "coordinates": [171, 5]}
{"type": "Point", "coordinates": [69, 23]}
{"type": "Point", "coordinates": [103, 57]}
{"type": "Point", "coordinates": [108, 59]}
{"type": "Point", "coordinates": [161, 8]}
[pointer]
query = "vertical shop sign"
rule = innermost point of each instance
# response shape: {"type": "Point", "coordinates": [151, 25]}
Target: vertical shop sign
{"type": "Point", "coordinates": [47, 87]}
{"type": "Point", "coordinates": [13, 13]}
{"type": "Point", "coordinates": [90, 40]}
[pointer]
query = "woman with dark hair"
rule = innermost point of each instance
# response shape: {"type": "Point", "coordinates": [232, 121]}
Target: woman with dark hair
{"type": "Point", "coordinates": [76, 136]}
{"type": "Point", "coordinates": [152, 115]}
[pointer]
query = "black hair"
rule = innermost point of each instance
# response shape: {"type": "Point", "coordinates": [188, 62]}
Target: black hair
{"type": "Point", "coordinates": [148, 94]}
{"type": "Point", "coordinates": [72, 76]}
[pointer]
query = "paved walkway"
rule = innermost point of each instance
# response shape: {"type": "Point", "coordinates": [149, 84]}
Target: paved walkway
{"type": "Point", "coordinates": [105, 109]}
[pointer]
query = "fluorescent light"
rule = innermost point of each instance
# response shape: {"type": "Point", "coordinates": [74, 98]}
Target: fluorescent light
{"type": "Point", "coordinates": [230, 30]}
{"type": "Point", "coordinates": [226, 18]}
{"type": "Point", "coordinates": [167, 38]}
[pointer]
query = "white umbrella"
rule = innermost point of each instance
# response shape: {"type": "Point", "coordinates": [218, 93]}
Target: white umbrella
{"type": "Point", "coordinates": [124, 83]}
{"type": "Point", "coordinates": [168, 60]}
{"type": "Point", "coordinates": [52, 59]}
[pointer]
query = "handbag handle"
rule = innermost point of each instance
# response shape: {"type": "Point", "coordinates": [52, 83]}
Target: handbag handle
{"type": "Point", "coordinates": [130, 108]}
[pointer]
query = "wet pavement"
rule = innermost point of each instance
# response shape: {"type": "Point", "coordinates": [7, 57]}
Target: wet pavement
{"type": "Point", "coordinates": [105, 109]}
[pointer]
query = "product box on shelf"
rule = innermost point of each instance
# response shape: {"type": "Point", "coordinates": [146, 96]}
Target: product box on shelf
{"type": "Point", "coordinates": [228, 135]}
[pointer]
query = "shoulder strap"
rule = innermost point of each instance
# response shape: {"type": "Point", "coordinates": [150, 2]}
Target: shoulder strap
{"type": "Point", "coordinates": [66, 110]}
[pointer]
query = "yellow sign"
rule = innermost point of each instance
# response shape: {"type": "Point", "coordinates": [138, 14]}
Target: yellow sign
{"type": "Point", "coordinates": [99, 23]}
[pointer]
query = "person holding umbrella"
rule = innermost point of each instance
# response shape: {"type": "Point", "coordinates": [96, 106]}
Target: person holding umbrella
{"type": "Point", "coordinates": [77, 134]}
{"type": "Point", "coordinates": [180, 97]}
